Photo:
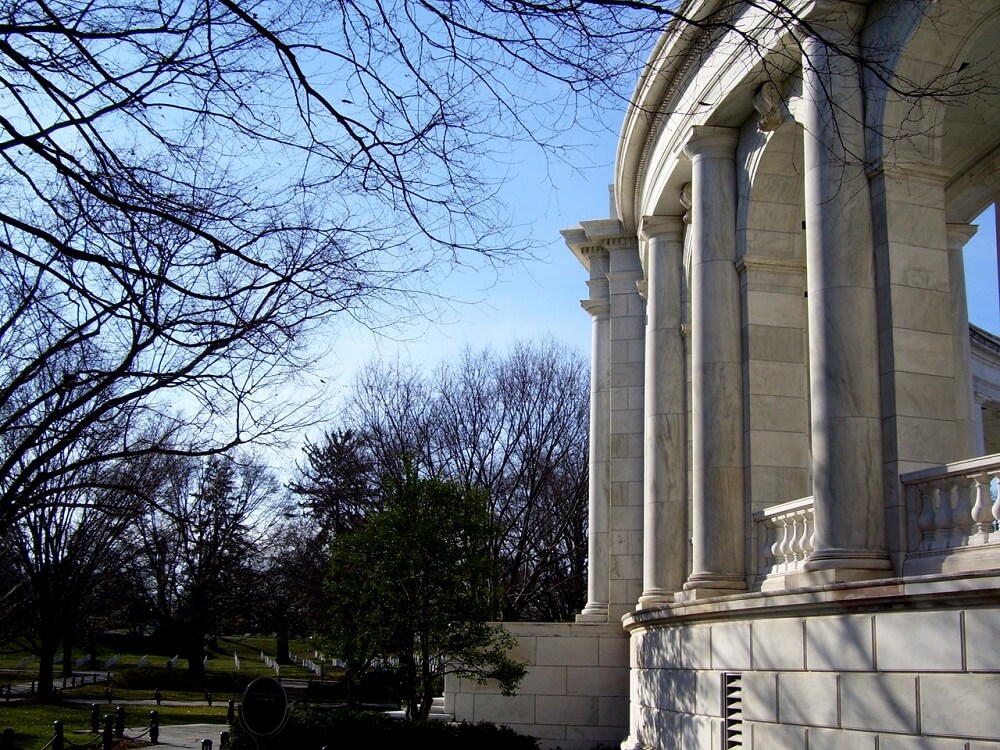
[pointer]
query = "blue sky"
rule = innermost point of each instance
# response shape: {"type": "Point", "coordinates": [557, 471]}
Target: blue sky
{"type": "Point", "coordinates": [542, 298]}
{"type": "Point", "coordinates": [981, 274]}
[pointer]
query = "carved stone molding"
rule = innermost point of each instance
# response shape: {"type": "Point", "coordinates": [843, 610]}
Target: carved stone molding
{"type": "Point", "coordinates": [770, 105]}
{"type": "Point", "coordinates": [685, 200]}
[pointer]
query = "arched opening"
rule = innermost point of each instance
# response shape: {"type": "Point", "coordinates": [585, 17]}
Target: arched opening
{"type": "Point", "coordinates": [771, 245]}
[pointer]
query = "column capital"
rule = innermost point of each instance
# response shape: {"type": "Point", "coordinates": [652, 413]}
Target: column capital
{"type": "Point", "coordinates": [598, 308]}
{"type": "Point", "coordinates": [661, 226]}
{"type": "Point", "coordinates": [842, 15]}
{"type": "Point", "coordinates": [958, 235]}
{"type": "Point", "coordinates": [708, 141]}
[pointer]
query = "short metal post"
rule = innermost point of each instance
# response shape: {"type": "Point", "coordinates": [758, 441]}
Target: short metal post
{"type": "Point", "coordinates": [231, 712]}
{"type": "Point", "coordinates": [206, 744]}
{"type": "Point", "coordinates": [95, 718]}
{"type": "Point", "coordinates": [120, 722]}
{"type": "Point", "coordinates": [108, 737]}
{"type": "Point", "coordinates": [158, 695]}
{"type": "Point", "coordinates": [154, 727]}
{"type": "Point", "coordinates": [224, 741]}
{"type": "Point", "coordinates": [107, 694]}
{"type": "Point", "coordinates": [57, 736]}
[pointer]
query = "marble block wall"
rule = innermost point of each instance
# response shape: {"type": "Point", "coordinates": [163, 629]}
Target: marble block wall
{"type": "Point", "coordinates": [830, 678]}
{"type": "Point", "coordinates": [574, 696]}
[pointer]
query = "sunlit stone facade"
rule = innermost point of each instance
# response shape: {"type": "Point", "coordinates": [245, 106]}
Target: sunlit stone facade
{"type": "Point", "coordinates": [793, 474]}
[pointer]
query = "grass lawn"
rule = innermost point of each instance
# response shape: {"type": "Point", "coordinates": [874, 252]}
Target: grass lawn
{"type": "Point", "coordinates": [32, 723]}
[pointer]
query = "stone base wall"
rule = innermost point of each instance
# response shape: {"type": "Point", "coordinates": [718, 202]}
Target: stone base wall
{"type": "Point", "coordinates": [852, 668]}
{"type": "Point", "coordinates": [574, 696]}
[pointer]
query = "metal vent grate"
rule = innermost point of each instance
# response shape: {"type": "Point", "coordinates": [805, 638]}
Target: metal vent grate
{"type": "Point", "coordinates": [732, 702]}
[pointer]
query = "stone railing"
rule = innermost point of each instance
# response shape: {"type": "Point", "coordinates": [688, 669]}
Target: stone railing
{"type": "Point", "coordinates": [952, 515]}
{"type": "Point", "coordinates": [785, 539]}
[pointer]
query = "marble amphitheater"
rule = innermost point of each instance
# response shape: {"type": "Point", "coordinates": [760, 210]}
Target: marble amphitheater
{"type": "Point", "coordinates": [794, 437]}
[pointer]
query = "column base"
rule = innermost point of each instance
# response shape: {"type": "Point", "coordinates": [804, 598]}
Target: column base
{"type": "Point", "coordinates": [847, 560]}
{"type": "Point", "coordinates": [847, 566]}
{"type": "Point", "coordinates": [631, 743]}
{"type": "Point", "coordinates": [656, 598]}
{"type": "Point", "coordinates": [593, 612]}
{"type": "Point", "coordinates": [708, 585]}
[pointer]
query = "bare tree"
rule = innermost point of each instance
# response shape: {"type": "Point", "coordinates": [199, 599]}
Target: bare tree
{"type": "Point", "coordinates": [517, 425]}
{"type": "Point", "coordinates": [61, 548]}
{"type": "Point", "coordinates": [514, 425]}
{"type": "Point", "coordinates": [197, 546]}
{"type": "Point", "coordinates": [192, 190]}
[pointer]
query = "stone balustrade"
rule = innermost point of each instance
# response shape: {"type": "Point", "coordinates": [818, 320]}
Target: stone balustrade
{"type": "Point", "coordinates": [953, 513]}
{"type": "Point", "coordinates": [785, 537]}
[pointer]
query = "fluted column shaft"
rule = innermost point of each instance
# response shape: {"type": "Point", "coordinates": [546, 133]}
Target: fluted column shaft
{"type": "Point", "coordinates": [664, 451]}
{"type": "Point", "coordinates": [843, 330]}
{"type": "Point", "coordinates": [717, 370]}
{"type": "Point", "coordinates": [598, 542]}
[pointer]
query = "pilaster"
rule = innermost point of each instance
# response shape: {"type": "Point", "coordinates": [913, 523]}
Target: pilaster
{"type": "Point", "coordinates": [599, 308]}
{"type": "Point", "coordinates": [965, 420]}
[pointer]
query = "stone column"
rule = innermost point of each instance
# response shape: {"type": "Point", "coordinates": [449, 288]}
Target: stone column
{"type": "Point", "coordinates": [598, 543]}
{"type": "Point", "coordinates": [664, 548]}
{"type": "Point", "coordinates": [965, 421]}
{"type": "Point", "coordinates": [843, 340]}
{"type": "Point", "coordinates": [717, 369]}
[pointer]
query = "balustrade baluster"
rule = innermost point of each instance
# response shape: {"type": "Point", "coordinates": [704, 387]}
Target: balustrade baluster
{"type": "Point", "coordinates": [944, 517]}
{"type": "Point", "coordinates": [799, 542]}
{"type": "Point", "coordinates": [767, 548]}
{"type": "Point", "coordinates": [776, 546]}
{"type": "Point", "coordinates": [786, 557]}
{"type": "Point", "coordinates": [925, 521]}
{"type": "Point", "coordinates": [996, 504]}
{"type": "Point", "coordinates": [808, 534]}
{"type": "Point", "coordinates": [982, 514]}
{"type": "Point", "coordinates": [963, 527]}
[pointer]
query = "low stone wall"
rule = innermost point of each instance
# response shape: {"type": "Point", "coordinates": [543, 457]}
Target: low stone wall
{"type": "Point", "coordinates": [574, 696]}
{"type": "Point", "coordinates": [897, 665]}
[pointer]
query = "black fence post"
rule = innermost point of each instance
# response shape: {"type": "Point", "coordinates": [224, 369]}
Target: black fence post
{"type": "Point", "coordinates": [95, 718]}
{"type": "Point", "coordinates": [224, 741]}
{"type": "Point", "coordinates": [57, 737]}
{"type": "Point", "coordinates": [120, 722]}
{"type": "Point", "coordinates": [107, 739]}
{"type": "Point", "coordinates": [231, 712]}
{"type": "Point", "coordinates": [206, 744]}
{"type": "Point", "coordinates": [154, 727]}
{"type": "Point", "coordinates": [158, 695]}
{"type": "Point", "coordinates": [107, 694]}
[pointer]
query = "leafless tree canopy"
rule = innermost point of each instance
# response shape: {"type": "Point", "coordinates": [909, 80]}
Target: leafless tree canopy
{"type": "Point", "coordinates": [191, 189]}
{"type": "Point", "coordinates": [512, 425]}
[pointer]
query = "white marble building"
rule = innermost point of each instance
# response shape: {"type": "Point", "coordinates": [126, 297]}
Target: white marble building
{"type": "Point", "coordinates": [793, 537]}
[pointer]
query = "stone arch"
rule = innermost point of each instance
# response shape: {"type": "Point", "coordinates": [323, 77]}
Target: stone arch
{"type": "Point", "coordinates": [771, 250]}
{"type": "Point", "coordinates": [938, 52]}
